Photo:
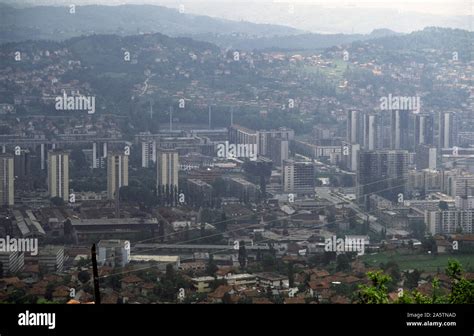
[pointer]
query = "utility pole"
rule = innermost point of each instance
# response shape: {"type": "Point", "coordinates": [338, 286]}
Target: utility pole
{"type": "Point", "coordinates": [95, 273]}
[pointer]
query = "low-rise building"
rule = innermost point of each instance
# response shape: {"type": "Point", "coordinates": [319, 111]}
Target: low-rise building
{"type": "Point", "coordinates": [12, 262]}
{"type": "Point", "coordinates": [202, 284]}
{"type": "Point", "coordinates": [272, 280]}
{"type": "Point", "coordinates": [113, 253]}
{"type": "Point", "coordinates": [51, 258]}
{"type": "Point", "coordinates": [159, 261]}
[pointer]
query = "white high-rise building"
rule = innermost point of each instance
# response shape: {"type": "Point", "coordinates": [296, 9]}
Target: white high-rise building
{"type": "Point", "coordinates": [446, 129]}
{"type": "Point", "coordinates": [7, 180]}
{"type": "Point", "coordinates": [148, 153]}
{"type": "Point", "coordinates": [117, 173]}
{"type": "Point", "coordinates": [167, 167]}
{"type": "Point", "coordinates": [354, 127]}
{"type": "Point", "coordinates": [399, 125]}
{"type": "Point", "coordinates": [58, 174]}
{"type": "Point", "coordinates": [370, 132]}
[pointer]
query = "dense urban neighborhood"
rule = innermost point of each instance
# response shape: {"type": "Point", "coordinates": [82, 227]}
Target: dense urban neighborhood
{"type": "Point", "coordinates": [149, 168]}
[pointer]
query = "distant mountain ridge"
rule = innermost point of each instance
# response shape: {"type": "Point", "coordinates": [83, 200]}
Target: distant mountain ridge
{"type": "Point", "coordinates": [307, 41]}
{"type": "Point", "coordinates": [56, 23]}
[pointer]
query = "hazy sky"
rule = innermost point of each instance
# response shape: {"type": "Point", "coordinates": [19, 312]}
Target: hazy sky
{"type": "Point", "coordinates": [444, 7]}
{"type": "Point", "coordinates": [317, 16]}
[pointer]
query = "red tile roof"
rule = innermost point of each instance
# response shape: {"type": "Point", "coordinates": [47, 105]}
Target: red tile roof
{"type": "Point", "coordinates": [319, 285]}
{"type": "Point", "coordinates": [10, 281]}
{"type": "Point", "coordinates": [132, 279]}
{"type": "Point", "coordinates": [220, 291]}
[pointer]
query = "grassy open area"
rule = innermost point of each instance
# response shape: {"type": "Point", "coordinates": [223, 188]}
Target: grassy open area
{"type": "Point", "coordinates": [424, 262]}
{"type": "Point", "coordinates": [333, 73]}
{"type": "Point", "coordinates": [337, 71]}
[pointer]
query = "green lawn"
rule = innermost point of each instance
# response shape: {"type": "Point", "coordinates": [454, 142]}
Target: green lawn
{"type": "Point", "coordinates": [424, 262]}
{"type": "Point", "coordinates": [335, 73]}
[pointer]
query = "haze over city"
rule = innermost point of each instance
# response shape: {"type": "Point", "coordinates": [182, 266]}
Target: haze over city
{"type": "Point", "coordinates": [318, 153]}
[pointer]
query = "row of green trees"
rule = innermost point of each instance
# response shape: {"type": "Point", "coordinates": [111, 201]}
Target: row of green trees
{"type": "Point", "coordinates": [462, 289]}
